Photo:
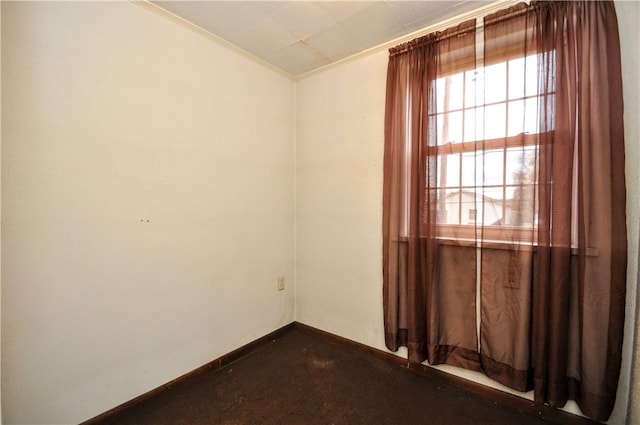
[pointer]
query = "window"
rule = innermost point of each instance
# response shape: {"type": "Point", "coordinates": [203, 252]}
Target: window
{"type": "Point", "coordinates": [487, 128]}
{"type": "Point", "coordinates": [510, 131]}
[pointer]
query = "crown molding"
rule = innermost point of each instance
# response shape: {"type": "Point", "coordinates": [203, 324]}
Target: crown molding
{"type": "Point", "coordinates": [146, 4]}
{"type": "Point", "coordinates": [442, 25]}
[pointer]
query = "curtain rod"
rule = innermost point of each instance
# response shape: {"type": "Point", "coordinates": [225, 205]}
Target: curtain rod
{"type": "Point", "coordinates": [464, 28]}
{"type": "Point", "coordinates": [440, 26]}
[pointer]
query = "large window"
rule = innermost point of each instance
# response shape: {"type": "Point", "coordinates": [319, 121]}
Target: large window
{"type": "Point", "coordinates": [504, 228]}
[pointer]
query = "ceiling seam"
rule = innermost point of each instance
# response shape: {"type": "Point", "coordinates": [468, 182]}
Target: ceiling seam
{"type": "Point", "coordinates": [146, 4]}
{"type": "Point", "coordinates": [442, 25]}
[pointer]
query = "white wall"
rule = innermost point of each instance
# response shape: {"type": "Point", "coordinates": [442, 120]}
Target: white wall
{"type": "Point", "coordinates": [339, 151]}
{"type": "Point", "coordinates": [340, 124]}
{"type": "Point", "coordinates": [148, 205]}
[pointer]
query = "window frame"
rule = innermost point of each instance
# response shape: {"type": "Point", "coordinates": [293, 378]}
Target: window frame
{"type": "Point", "coordinates": [501, 233]}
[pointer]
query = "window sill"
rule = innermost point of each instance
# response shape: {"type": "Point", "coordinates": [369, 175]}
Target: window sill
{"type": "Point", "coordinates": [497, 244]}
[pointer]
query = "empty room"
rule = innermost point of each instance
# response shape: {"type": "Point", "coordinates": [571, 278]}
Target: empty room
{"type": "Point", "coordinates": [317, 212]}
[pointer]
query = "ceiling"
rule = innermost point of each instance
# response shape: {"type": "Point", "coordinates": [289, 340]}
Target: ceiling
{"type": "Point", "coordinates": [301, 36]}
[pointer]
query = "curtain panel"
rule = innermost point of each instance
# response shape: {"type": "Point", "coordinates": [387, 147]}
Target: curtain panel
{"type": "Point", "coordinates": [504, 228]}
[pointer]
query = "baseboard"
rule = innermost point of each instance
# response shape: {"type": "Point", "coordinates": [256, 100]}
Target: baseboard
{"type": "Point", "coordinates": [214, 365]}
{"type": "Point", "coordinates": [535, 409]}
{"type": "Point", "coordinates": [542, 411]}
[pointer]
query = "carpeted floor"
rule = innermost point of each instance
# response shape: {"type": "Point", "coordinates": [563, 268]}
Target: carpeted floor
{"type": "Point", "coordinates": [303, 379]}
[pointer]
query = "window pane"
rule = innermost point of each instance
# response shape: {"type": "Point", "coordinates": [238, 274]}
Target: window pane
{"type": "Point", "coordinates": [516, 78]}
{"type": "Point", "coordinates": [450, 92]}
{"type": "Point", "coordinates": [517, 118]}
{"type": "Point", "coordinates": [450, 128]}
{"type": "Point", "coordinates": [468, 205]}
{"type": "Point", "coordinates": [473, 124]}
{"type": "Point", "coordinates": [520, 205]}
{"type": "Point", "coordinates": [469, 169]}
{"type": "Point", "coordinates": [495, 121]}
{"type": "Point", "coordinates": [491, 206]}
{"type": "Point", "coordinates": [493, 168]}
{"type": "Point", "coordinates": [531, 117]}
{"type": "Point", "coordinates": [515, 171]}
{"type": "Point", "coordinates": [456, 91]}
{"type": "Point", "coordinates": [449, 206]}
{"type": "Point", "coordinates": [531, 75]}
{"type": "Point", "coordinates": [449, 170]}
{"type": "Point", "coordinates": [523, 117]}
{"type": "Point", "coordinates": [495, 83]}
{"type": "Point", "coordinates": [440, 90]}
{"type": "Point", "coordinates": [521, 165]}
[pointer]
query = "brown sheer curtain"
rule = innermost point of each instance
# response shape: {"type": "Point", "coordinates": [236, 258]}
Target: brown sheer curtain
{"type": "Point", "coordinates": [412, 297]}
{"type": "Point", "coordinates": [504, 230]}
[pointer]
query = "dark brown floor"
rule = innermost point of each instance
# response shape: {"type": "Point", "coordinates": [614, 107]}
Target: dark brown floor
{"type": "Point", "coordinates": [303, 379]}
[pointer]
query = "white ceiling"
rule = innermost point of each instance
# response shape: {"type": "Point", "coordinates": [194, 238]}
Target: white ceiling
{"type": "Point", "coordinates": [300, 36]}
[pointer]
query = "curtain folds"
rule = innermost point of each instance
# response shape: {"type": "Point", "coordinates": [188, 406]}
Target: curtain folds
{"type": "Point", "coordinates": [504, 228]}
